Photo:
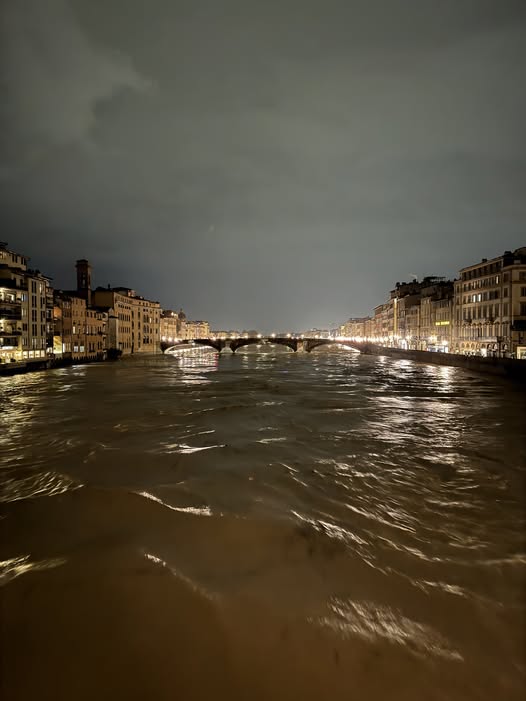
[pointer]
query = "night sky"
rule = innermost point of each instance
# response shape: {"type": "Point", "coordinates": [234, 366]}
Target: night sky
{"type": "Point", "coordinates": [264, 164]}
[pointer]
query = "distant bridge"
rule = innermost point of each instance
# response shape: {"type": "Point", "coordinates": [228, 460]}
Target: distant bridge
{"type": "Point", "coordinates": [294, 343]}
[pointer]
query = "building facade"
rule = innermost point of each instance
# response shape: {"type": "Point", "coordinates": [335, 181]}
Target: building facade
{"type": "Point", "coordinates": [382, 324]}
{"type": "Point", "coordinates": [354, 328]}
{"type": "Point", "coordinates": [134, 320]}
{"type": "Point", "coordinates": [78, 322]}
{"type": "Point", "coordinates": [25, 310]}
{"type": "Point", "coordinates": [407, 321]}
{"type": "Point", "coordinates": [173, 325]}
{"type": "Point", "coordinates": [79, 331]}
{"type": "Point", "coordinates": [93, 324]}
{"type": "Point", "coordinates": [481, 313]}
{"type": "Point", "coordinates": [96, 334]}
{"type": "Point", "coordinates": [197, 329]}
{"type": "Point", "coordinates": [490, 307]}
{"type": "Point", "coordinates": [436, 317]}
{"type": "Point", "coordinates": [63, 326]}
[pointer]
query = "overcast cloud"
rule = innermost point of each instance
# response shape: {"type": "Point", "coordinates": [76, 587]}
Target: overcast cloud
{"type": "Point", "coordinates": [262, 164]}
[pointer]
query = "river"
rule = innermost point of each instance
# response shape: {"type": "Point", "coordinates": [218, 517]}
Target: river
{"type": "Point", "coordinates": [262, 526]}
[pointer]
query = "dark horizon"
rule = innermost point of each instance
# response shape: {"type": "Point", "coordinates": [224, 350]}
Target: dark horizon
{"type": "Point", "coordinates": [276, 165]}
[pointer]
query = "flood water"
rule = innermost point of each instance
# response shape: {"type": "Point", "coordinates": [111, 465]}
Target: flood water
{"type": "Point", "coordinates": [262, 526]}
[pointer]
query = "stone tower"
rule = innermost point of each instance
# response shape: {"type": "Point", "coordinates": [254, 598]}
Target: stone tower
{"type": "Point", "coordinates": [84, 280]}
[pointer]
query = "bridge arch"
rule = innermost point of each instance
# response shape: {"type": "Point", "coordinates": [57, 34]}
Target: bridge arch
{"type": "Point", "coordinates": [237, 343]}
{"type": "Point", "coordinates": [291, 343]}
{"type": "Point", "coordinates": [312, 344]}
{"type": "Point", "coordinates": [198, 342]}
{"type": "Point", "coordinates": [217, 344]}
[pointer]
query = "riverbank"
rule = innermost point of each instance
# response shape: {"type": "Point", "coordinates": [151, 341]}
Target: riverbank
{"type": "Point", "coordinates": [35, 365]}
{"type": "Point", "coordinates": [18, 368]}
{"type": "Point", "coordinates": [10, 369]}
{"type": "Point", "coordinates": [504, 367]}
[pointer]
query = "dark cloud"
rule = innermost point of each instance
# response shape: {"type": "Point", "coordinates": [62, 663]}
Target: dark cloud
{"type": "Point", "coordinates": [263, 164]}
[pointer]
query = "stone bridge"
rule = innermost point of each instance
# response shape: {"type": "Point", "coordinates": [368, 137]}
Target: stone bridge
{"type": "Point", "coordinates": [295, 344]}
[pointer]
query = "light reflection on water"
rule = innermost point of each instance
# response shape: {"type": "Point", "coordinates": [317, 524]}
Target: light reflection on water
{"type": "Point", "coordinates": [377, 504]}
{"type": "Point", "coordinates": [372, 622]}
{"type": "Point", "coordinates": [17, 566]}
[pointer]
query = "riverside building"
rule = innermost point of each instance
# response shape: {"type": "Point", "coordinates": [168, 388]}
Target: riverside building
{"type": "Point", "coordinates": [134, 322]}
{"type": "Point", "coordinates": [173, 325]}
{"type": "Point", "coordinates": [197, 329]}
{"type": "Point", "coordinates": [80, 331]}
{"type": "Point", "coordinates": [354, 328]}
{"type": "Point", "coordinates": [25, 310]}
{"type": "Point", "coordinates": [490, 307]}
{"type": "Point", "coordinates": [435, 332]}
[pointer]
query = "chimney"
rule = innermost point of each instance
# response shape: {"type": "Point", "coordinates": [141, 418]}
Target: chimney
{"type": "Point", "coordinates": [84, 280]}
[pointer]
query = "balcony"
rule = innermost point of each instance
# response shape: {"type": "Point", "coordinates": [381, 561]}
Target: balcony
{"type": "Point", "coordinates": [11, 313]}
{"type": "Point", "coordinates": [6, 339]}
